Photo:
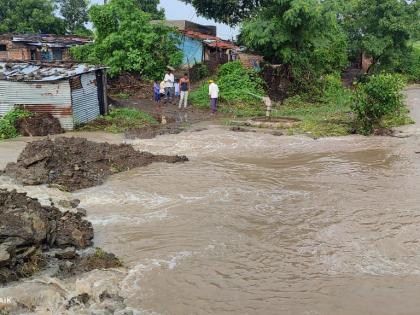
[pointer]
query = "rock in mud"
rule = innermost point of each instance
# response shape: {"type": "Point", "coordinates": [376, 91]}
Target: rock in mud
{"type": "Point", "coordinates": [69, 203]}
{"type": "Point", "coordinates": [40, 124]}
{"type": "Point", "coordinates": [87, 261]}
{"type": "Point", "coordinates": [73, 230]}
{"type": "Point", "coordinates": [76, 163]}
{"type": "Point", "coordinates": [29, 230]}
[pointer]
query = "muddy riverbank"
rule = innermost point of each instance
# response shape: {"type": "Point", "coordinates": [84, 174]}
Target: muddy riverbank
{"type": "Point", "coordinates": [253, 224]}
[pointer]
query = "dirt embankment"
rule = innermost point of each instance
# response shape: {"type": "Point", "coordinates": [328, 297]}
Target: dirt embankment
{"type": "Point", "coordinates": [39, 124]}
{"type": "Point", "coordinates": [33, 237]}
{"type": "Point", "coordinates": [75, 163]}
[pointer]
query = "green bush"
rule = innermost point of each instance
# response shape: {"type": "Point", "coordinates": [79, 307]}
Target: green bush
{"type": "Point", "coordinates": [380, 96]}
{"type": "Point", "coordinates": [7, 123]}
{"type": "Point", "coordinates": [334, 93]}
{"type": "Point", "coordinates": [202, 71]}
{"type": "Point", "coordinates": [7, 130]}
{"type": "Point", "coordinates": [411, 65]}
{"type": "Point", "coordinates": [240, 89]}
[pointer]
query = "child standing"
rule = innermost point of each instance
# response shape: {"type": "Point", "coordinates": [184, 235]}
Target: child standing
{"type": "Point", "coordinates": [156, 92]}
{"type": "Point", "coordinates": [177, 88]}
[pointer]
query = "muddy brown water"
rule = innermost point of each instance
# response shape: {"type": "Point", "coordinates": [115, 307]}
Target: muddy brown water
{"type": "Point", "coordinates": [253, 224]}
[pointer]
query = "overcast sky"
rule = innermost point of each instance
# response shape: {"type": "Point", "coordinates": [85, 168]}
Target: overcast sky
{"type": "Point", "coordinates": [176, 10]}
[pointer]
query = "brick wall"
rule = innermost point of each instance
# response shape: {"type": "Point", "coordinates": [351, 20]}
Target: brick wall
{"type": "Point", "coordinates": [14, 52]}
{"type": "Point", "coordinates": [249, 60]}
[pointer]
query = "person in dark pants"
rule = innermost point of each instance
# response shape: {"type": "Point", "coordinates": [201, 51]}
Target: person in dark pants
{"type": "Point", "coordinates": [214, 95]}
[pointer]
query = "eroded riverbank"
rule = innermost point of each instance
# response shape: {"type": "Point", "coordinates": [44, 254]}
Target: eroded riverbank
{"type": "Point", "coordinates": [253, 224]}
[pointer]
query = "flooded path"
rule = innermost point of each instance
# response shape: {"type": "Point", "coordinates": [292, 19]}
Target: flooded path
{"type": "Point", "coordinates": [253, 224]}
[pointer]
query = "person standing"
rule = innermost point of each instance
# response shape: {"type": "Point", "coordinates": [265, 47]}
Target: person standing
{"type": "Point", "coordinates": [184, 86]}
{"type": "Point", "coordinates": [156, 92]}
{"type": "Point", "coordinates": [169, 85]}
{"type": "Point", "coordinates": [214, 95]}
{"type": "Point", "coordinates": [177, 88]}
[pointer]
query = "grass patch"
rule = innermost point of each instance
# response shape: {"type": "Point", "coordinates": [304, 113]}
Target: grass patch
{"type": "Point", "coordinates": [123, 96]}
{"type": "Point", "coordinates": [400, 118]}
{"type": "Point", "coordinates": [332, 117]}
{"type": "Point", "coordinates": [120, 120]}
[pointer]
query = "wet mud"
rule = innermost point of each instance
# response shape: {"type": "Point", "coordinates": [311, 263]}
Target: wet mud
{"type": "Point", "coordinates": [71, 164]}
{"type": "Point", "coordinates": [33, 237]}
{"type": "Point", "coordinates": [40, 124]}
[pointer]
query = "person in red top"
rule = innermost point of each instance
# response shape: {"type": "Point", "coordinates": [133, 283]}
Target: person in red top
{"type": "Point", "coordinates": [184, 87]}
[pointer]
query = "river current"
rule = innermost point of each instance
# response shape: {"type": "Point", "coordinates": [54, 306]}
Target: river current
{"type": "Point", "coordinates": [253, 224]}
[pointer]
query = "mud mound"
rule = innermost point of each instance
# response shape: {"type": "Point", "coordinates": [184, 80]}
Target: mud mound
{"type": "Point", "coordinates": [131, 85]}
{"type": "Point", "coordinates": [40, 124]}
{"type": "Point", "coordinates": [28, 230]}
{"type": "Point", "coordinates": [75, 163]}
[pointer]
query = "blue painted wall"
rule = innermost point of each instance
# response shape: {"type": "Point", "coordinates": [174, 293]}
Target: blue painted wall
{"type": "Point", "coordinates": [192, 50]}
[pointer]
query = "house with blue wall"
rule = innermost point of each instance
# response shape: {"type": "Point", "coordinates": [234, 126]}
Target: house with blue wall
{"type": "Point", "coordinates": [199, 43]}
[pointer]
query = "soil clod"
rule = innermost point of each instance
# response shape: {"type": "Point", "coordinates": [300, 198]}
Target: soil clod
{"type": "Point", "coordinates": [75, 163]}
{"type": "Point", "coordinates": [31, 235]}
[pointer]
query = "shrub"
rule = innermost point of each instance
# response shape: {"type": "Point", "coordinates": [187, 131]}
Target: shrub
{"type": "Point", "coordinates": [7, 130]}
{"type": "Point", "coordinates": [411, 65]}
{"type": "Point", "coordinates": [202, 71]}
{"type": "Point", "coordinates": [380, 96]}
{"type": "Point", "coordinates": [240, 89]}
{"type": "Point", "coordinates": [334, 93]}
{"type": "Point", "coordinates": [7, 123]}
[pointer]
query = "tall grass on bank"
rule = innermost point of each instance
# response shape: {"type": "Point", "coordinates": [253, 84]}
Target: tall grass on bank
{"type": "Point", "coordinates": [120, 120]}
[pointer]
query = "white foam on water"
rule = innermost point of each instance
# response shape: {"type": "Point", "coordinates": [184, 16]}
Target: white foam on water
{"type": "Point", "coordinates": [131, 284]}
{"type": "Point", "coordinates": [131, 219]}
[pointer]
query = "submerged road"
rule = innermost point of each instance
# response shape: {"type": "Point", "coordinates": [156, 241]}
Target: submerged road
{"type": "Point", "coordinates": [253, 224]}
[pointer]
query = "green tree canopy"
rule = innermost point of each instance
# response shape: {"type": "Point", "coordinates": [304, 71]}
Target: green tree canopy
{"type": "Point", "coordinates": [382, 29]}
{"type": "Point", "coordinates": [227, 11]}
{"type": "Point", "coordinates": [126, 41]}
{"type": "Point", "coordinates": [29, 16]}
{"type": "Point", "coordinates": [75, 14]}
{"type": "Point", "coordinates": [151, 7]}
{"type": "Point", "coordinates": [300, 33]}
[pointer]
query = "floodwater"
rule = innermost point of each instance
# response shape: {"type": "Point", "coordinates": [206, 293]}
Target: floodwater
{"type": "Point", "coordinates": [253, 224]}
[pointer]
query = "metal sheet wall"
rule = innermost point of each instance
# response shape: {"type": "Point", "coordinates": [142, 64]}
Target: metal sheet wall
{"type": "Point", "coordinates": [53, 93]}
{"type": "Point", "coordinates": [85, 99]}
{"type": "Point", "coordinates": [4, 108]}
{"type": "Point", "coordinates": [52, 97]}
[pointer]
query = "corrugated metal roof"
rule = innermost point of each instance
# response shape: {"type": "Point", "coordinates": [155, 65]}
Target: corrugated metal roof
{"type": "Point", "coordinates": [197, 35]}
{"type": "Point", "coordinates": [41, 72]}
{"type": "Point", "coordinates": [51, 40]}
{"type": "Point", "coordinates": [210, 40]}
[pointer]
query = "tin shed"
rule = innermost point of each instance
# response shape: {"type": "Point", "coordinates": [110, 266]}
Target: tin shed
{"type": "Point", "coordinates": [73, 94]}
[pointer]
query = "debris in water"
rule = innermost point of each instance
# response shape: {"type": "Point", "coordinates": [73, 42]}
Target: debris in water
{"type": "Point", "coordinates": [76, 163]}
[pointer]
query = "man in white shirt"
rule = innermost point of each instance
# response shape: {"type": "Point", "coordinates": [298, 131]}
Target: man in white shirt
{"type": "Point", "coordinates": [214, 95]}
{"type": "Point", "coordinates": [169, 85]}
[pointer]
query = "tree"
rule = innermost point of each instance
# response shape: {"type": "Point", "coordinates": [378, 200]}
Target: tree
{"type": "Point", "coordinates": [226, 11]}
{"type": "Point", "coordinates": [382, 29]}
{"type": "Point", "coordinates": [29, 16]}
{"type": "Point", "coordinates": [75, 14]}
{"type": "Point", "coordinates": [151, 7]}
{"type": "Point", "coordinates": [302, 34]}
{"type": "Point", "coordinates": [126, 41]}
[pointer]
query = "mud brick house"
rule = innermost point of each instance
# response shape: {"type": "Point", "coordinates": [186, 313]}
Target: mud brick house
{"type": "Point", "coordinates": [38, 47]}
{"type": "Point", "coordinates": [74, 94]}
